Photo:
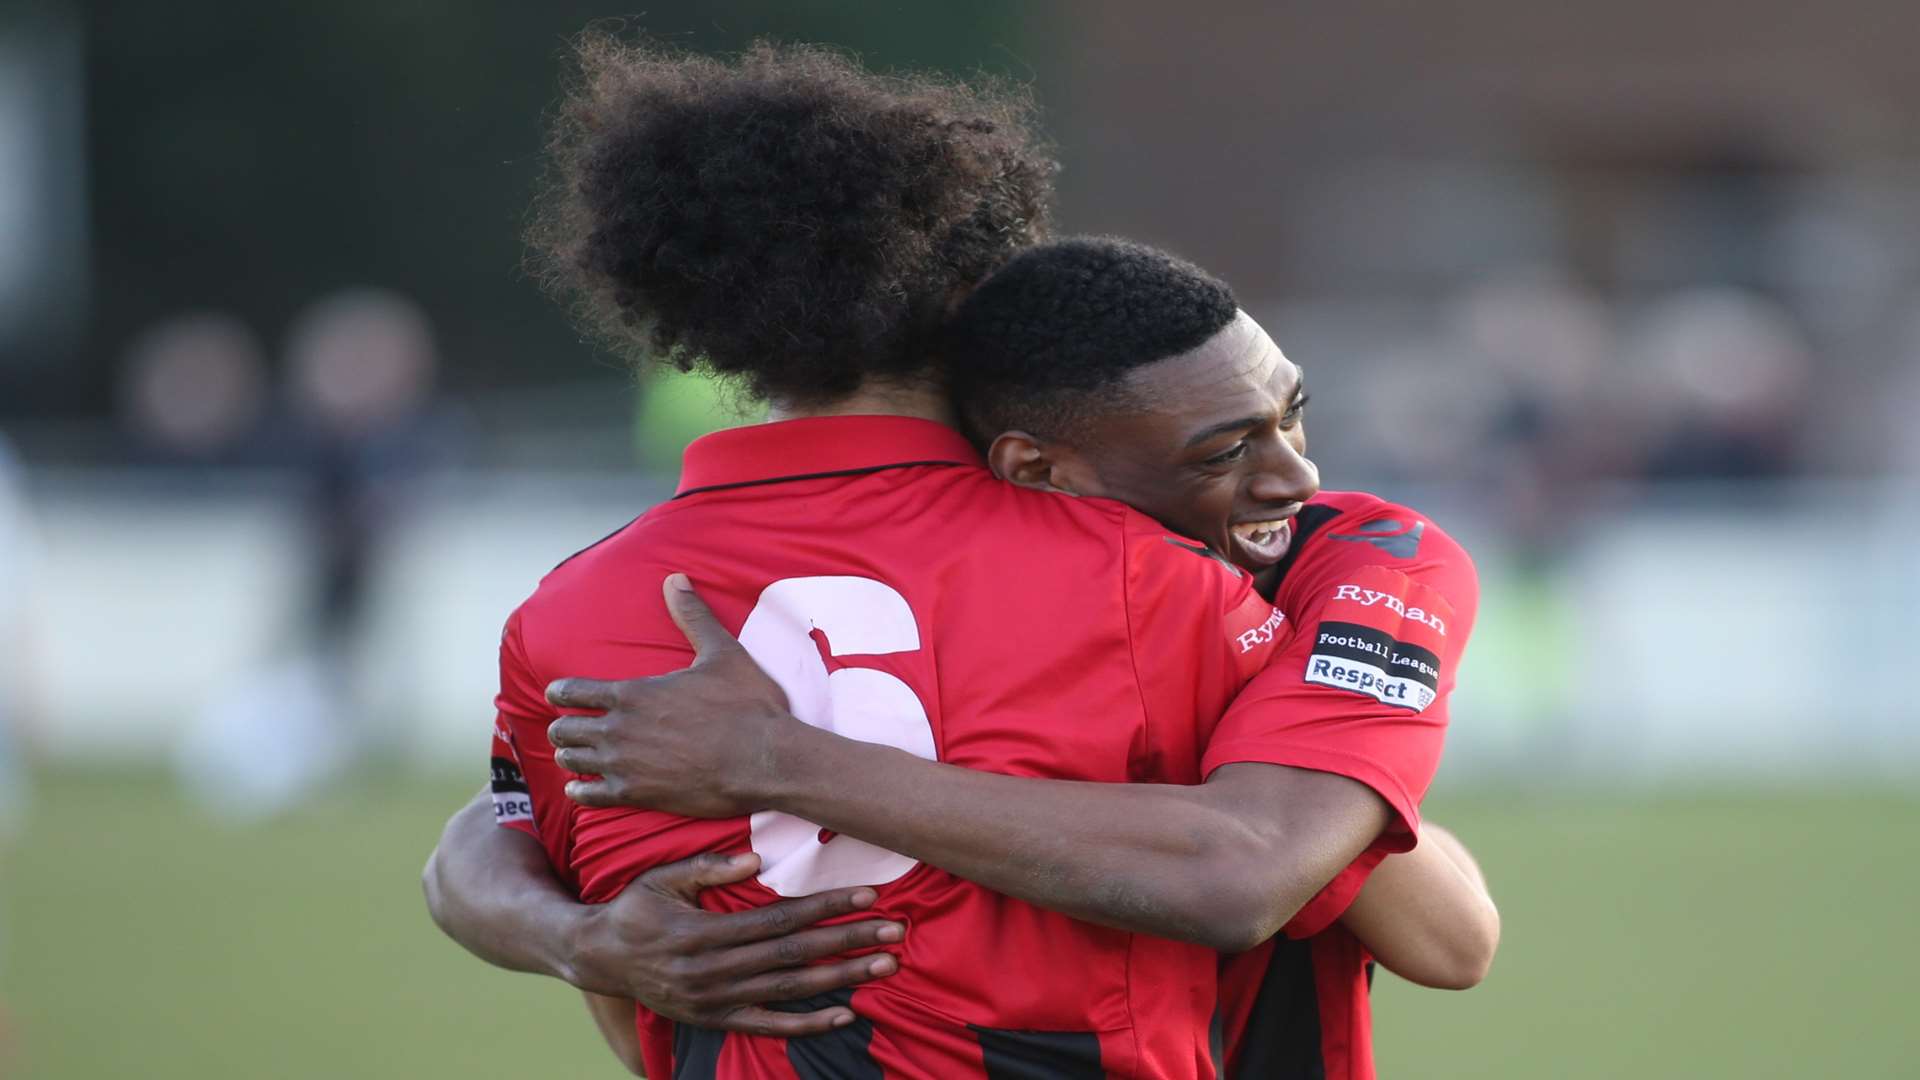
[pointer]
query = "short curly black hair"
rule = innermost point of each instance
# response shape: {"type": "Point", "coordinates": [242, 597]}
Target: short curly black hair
{"type": "Point", "coordinates": [1043, 344]}
{"type": "Point", "coordinates": [782, 216]}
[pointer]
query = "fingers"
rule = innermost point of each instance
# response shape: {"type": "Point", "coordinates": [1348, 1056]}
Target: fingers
{"type": "Point", "coordinates": [598, 794]}
{"type": "Point", "coordinates": [695, 619]}
{"type": "Point", "coordinates": [577, 743]}
{"type": "Point", "coordinates": [776, 920]}
{"type": "Point", "coordinates": [796, 984]}
{"type": "Point", "coordinates": [687, 877]}
{"type": "Point", "coordinates": [594, 694]}
{"type": "Point", "coordinates": [575, 730]}
{"type": "Point", "coordinates": [756, 1020]}
{"type": "Point", "coordinates": [578, 759]}
{"type": "Point", "coordinates": [804, 947]}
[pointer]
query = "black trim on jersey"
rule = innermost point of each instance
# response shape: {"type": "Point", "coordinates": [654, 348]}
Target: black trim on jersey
{"type": "Point", "coordinates": [1207, 553]}
{"type": "Point", "coordinates": [844, 1053]}
{"type": "Point", "coordinates": [696, 1052]}
{"type": "Point", "coordinates": [1282, 1039]}
{"type": "Point", "coordinates": [1389, 535]}
{"type": "Point", "coordinates": [748, 483]}
{"type": "Point", "coordinates": [598, 542]}
{"type": "Point", "coordinates": [1309, 520]}
{"type": "Point", "coordinates": [816, 476]}
{"type": "Point", "coordinates": [1217, 1041]}
{"type": "Point", "coordinates": [1010, 1054]}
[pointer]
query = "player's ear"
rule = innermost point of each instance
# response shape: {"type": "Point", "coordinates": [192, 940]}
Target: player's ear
{"type": "Point", "coordinates": [1023, 459]}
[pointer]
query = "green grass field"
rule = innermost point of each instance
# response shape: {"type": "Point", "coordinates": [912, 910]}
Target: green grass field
{"type": "Point", "coordinates": [1721, 937]}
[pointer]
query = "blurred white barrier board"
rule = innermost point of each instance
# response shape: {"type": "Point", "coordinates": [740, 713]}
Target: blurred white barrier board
{"type": "Point", "coordinates": [1769, 635]}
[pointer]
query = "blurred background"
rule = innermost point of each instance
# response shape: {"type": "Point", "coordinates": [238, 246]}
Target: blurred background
{"type": "Point", "coordinates": [1627, 296]}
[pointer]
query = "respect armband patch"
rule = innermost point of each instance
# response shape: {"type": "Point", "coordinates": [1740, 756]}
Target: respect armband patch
{"type": "Point", "coordinates": [1383, 635]}
{"type": "Point", "coordinates": [512, 803]}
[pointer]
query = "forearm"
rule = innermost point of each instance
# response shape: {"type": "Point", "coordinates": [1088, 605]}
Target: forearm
{"type": "Point", "coordinates": [1426, 915]}
{"type": "Point", "coordinates": [1224, 864]}
{"type": "Point", "coordinates": [492, 890]}
{"type": "Point", "coordinates": [1456, 852]}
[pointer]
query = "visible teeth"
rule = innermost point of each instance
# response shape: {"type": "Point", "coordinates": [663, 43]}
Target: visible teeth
{"type": "Point", "coordinates": [1256, 529]}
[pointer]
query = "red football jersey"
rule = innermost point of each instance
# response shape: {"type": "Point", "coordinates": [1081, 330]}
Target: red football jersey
{"type": "Point", "coordinates": [1381, 603]}
{"type": "Point", "coordinates": [900, 594]}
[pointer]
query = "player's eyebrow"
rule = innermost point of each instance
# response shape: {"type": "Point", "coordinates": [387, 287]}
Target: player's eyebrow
{"type": "Point", "coordinates": [1222, 428]}
{"type": "Point", "coordinates": [1216, 430]}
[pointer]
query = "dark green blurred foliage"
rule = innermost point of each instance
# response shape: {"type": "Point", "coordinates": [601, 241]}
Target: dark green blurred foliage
{"type": "Point", "coordinates": [252, 156]}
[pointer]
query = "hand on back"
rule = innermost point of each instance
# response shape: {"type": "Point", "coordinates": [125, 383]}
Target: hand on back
{"type": "Point", "coordinates": [654, 944]}
{"type": "Point", "coordinates": [702, 742]}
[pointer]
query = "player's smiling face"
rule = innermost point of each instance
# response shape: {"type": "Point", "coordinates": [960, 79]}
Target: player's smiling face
{"type": "Point", "coordinates": [1217, 453]}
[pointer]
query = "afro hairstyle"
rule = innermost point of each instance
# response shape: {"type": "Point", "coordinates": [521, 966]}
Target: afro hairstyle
{"type": "Point", "coordinates": [782, 217]}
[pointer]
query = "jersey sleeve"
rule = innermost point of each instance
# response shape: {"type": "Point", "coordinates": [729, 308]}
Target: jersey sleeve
{"type": "Point", "coordinates": [1198, 632]}
{"type": "Point", "coordinates": [1360, 687]}
{"type": "Point", "coordinates": [1333, 899]}
{"type": "Point", "coordinates": [528, 787]}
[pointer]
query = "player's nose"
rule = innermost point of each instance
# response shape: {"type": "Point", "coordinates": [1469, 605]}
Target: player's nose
{"type": "Point", "coordinates": [1285, 475]}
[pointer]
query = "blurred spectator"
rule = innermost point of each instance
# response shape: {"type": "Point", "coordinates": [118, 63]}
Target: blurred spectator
{"type": "Point", "coordinates": [193, 391]}
{"type": "Point", "coordinates": [360, 370]}
{"type": "Point", "coordinates": [1426, 411]}
{"type": "Point", "coordinates": [1544, 349]}
{"type": "Point", "coordinates": [1552, 421]}
{"type": "Point", "coordinates": [1727, 373]}
{"type": "Point", "coordinates": [1546, 337]}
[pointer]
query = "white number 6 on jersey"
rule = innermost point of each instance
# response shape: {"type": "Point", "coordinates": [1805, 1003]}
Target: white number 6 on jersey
{"type": "Point", "coordinates": [858, 616]}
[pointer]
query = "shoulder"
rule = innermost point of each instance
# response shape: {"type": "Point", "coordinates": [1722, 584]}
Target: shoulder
{"type": "Point", "coordinates": [1367, 552]}
{"type": "Point", "coordinates": [1085, 533]}
{"type": "Point", "coordinates": [1048, 514]}
{"type": "Point", "coordinates": [1165, 583]}
{"type": "Point", "coordinates": [1153, 552]}
{"type": "Point", "coordinates": [1185, 597]}
{"type": "Point", "coordinates": [587, 590]}
{"type": "Point", "coordinates": [1097, 544]}
{"type": "Point", "coordinates": [1345, 530]}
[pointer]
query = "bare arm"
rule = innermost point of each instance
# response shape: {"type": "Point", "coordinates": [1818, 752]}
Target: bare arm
{"type": "Point", "coordinates": [1225, 863]}
{"type": "Point", "coordinates": [1426, 914]}
{"type": "Point", "coordinates": [491, 890]}
{"type": "Point", "coordinates": [614, 1017]}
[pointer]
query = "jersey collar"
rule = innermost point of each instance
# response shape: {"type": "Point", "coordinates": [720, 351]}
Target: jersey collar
{"type": "Point", "coordinates": [818, 446]}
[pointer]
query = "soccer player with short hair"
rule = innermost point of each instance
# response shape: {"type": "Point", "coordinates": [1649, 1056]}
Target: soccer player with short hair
{"type": "Point", "coordinates": [1054, 365]}
{"type": "Point", "coordinates": [1104, 368]}
{"type": "Point", "coordinates": [1061, 368]}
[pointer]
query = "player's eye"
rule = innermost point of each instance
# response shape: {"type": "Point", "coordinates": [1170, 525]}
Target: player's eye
{"type": "Point", "coordinates": [1230, 455]}
{"type": "Point", "coordinates": [1296, 411]}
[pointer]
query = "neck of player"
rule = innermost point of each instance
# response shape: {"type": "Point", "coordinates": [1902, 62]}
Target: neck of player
{"type": "Point", "coordinates": [922, 399]}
